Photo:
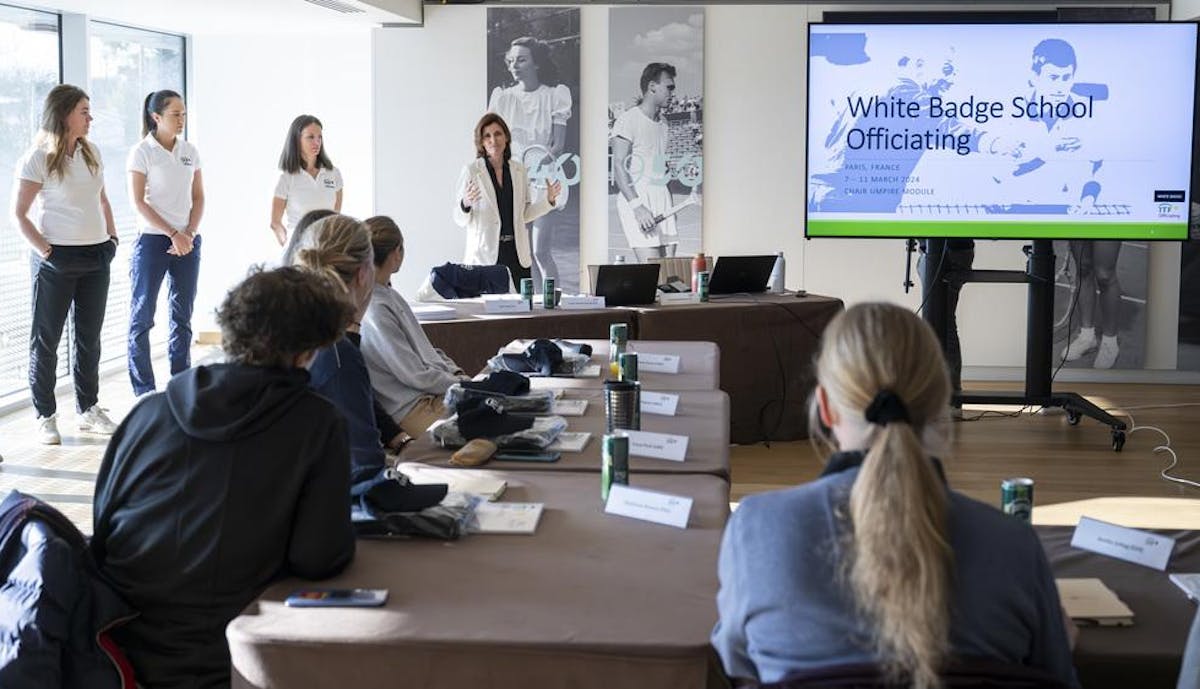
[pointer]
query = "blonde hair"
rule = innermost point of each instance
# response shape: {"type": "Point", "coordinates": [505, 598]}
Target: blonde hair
{"type": "Point", "coordinates": [899, 566]}
{"type": "Point", "coordinates": [337, 246]}
{"type": "Point", "coordinates": [52, 137]}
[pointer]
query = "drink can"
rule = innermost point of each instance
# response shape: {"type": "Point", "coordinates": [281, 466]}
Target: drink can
{"type": "Point", "coordinates": [1016, 497]}
{"type": "Point", "coordinates": [702, 284]}
{"type": "Point", "coordinates": [627, 366]}
{"type": "Point", "coordinates": [548, 293]}
{"type": "Point", "coordinates": [615, 466]}
{"type": "Point", "coordinates": [527, 290]}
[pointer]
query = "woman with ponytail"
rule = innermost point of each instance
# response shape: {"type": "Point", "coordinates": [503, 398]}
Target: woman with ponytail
{"type": "Point", "coordinates": [74, 239]}
{"type": "Point", "coordinates": [878, 561]}
{"type": "Point", "coordinates": [166, 189]}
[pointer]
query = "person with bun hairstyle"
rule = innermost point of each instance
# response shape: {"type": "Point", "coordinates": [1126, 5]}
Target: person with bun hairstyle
{"type": "Point", "coordinates": [308, 179]}
{"type": "Point", "coordinates": [878, 561]}
{"type": "Point", "coordinates": [74, 239]}
{"type": "Point", "coordinates": [410, 376]}
{"type": "Point", "coordinates": [234, 477]}
{"type": "Point", "coordinates": [166, 189]}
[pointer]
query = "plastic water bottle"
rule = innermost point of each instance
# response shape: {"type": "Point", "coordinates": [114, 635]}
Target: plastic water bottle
{"type": "Point", "coordinates": [777, 275]}
{"type": "Point", "coordinates": [699, 265]}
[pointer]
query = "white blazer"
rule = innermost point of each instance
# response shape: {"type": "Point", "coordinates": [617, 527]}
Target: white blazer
{"type": "Point", "coordinates": [483, 220]}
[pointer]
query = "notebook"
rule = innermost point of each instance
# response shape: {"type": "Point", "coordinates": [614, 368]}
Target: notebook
{"type": "Point", "coordinates": [570, 441]}
{"type": "Point", "coordinates": [741, 274]}
{"type": "Point", "coordinates": [507, 517]}
{"type": "Point", "coordinates": [472, 481]}
{"type": "Point", "coordinates": [627, 284]}
{"type": "Point", "coordinates": [1090, 602]}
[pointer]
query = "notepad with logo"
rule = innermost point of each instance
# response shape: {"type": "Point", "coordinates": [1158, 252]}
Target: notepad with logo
{"type": "Point", "coordinates": [507, 517]}
{"type": "Point", "coordinates": [475, 482]}
{"type": "Point", "coordinates": [1090, 602]}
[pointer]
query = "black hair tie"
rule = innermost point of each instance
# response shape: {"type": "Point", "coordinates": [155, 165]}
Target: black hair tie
{"type": "Point", "coordinates": [886, 408]}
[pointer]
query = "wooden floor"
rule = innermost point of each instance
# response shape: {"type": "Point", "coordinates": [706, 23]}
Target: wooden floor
{"type": "Point", "coordinates": [1067, 462]}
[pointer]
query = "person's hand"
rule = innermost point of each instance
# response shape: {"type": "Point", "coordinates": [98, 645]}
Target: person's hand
{"type": "Point", "coordinates": [472, 194]}
{"type": "Point", "coordinates": [645, 219]}
{"type": "Point", "coordinates": [552, 192]}
{"type": "Point", "coordinates": [181, 244]}
{"type": "Point", "coordinates": [45, 251]}
{"type": "Point", "coordinates": [280, 235]}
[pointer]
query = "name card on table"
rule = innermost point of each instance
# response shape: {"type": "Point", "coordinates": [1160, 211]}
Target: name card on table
{"type": "Point", "coordinates": [659, 403]}
{"type": "Point", "coordinates": [505, 304]}
{"type": "Point", "coordinates": [657, 445]}
{"type": "Point", "coordinates": [678, 298]}
{"type": "Point", "coordinates": [580, 302]}
{"type": "Point", "coordinates": [648, 505]}
{"type": "Point", "coordinates": [658, 363]}
{"type": "Point", "coordinates": [1132, 545]}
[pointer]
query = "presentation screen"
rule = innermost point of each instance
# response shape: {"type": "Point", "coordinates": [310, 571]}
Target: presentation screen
{"type": "Point", "coordinates": [1026, 131]}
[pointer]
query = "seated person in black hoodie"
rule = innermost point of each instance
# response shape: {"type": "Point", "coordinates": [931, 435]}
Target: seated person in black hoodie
{"type": "Point", "coordinates": [236, 475]}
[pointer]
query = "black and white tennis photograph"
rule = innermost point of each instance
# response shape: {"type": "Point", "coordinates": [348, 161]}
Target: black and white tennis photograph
{"type": "Point", "coordinates": [656, 132]}
{"type": "Point", "coordinates": [533, 83]}
{"type": "Point", "coordinates": [1100, 303]}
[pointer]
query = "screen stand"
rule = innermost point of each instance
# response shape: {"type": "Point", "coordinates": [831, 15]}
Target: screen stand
{"type": "Point", "coordinates": [1039, 276]}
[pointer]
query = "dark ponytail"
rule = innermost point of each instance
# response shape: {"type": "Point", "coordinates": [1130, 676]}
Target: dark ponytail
{"type": "Point", "coordinates": [156, 102]}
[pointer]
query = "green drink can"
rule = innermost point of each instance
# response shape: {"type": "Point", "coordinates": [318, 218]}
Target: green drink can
{"type": "Point", "coordinates": [615, 467]}
{"type": "Point", "coordinates": [1016, 497]}
{"type": "Point", "coordinates": [548, 293]}
{"type": "Point", "coordinates": [527, 290]}
{"type": "Point", "coordinates": [702, 285]}
{"type": "Point", "coordinates": [627, 366]}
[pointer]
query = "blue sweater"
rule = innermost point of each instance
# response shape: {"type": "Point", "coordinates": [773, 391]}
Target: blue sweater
{"type": "Point", "coordinates": [339, 374]}
{"type": "Point", "coordinates": [783, 608]}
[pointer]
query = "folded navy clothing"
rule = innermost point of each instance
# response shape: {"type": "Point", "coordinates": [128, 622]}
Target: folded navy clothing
{"type": "Point", "coordinates": [574, 347]}
{"type": "Point", "coordinates": [483, 418]}
{"type": "Point", "coordinates": [387, 492]}
{"type": "Point", "coordinates": [503, 382]}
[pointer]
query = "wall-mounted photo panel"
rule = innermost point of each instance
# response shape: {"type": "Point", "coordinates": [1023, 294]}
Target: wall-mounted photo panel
{"type": "Point", "coordinates": [533, 83]}
{"type": "Point", "coordinates": [656, 131]}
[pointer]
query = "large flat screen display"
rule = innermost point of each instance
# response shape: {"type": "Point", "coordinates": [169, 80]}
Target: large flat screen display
{"type": "Point", "coordinates": [1028, 131]}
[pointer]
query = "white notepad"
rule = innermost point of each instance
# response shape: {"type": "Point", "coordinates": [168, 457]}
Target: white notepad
{"type": "Point", "coordinates": [569, 407]}
{"type": "Point", "coordinates": [473, 481]}
{"type": "Point", "coordinates": [1089, 601]}
{"type": "Point", "coordinates": [507, 517]}
{"type": "Point", "coordinates": [570, 442]}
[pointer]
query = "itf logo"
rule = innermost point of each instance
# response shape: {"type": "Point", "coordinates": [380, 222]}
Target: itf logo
{"type": "Point", "coordinates": [1169, 211]}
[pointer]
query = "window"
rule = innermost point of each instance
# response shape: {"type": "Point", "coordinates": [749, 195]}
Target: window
{"type": "Point", "coordinates": [29, 68]}
{"type": "Point", "coordinates": [125, 64]}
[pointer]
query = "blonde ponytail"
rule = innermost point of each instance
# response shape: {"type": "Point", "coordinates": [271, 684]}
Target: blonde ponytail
{"type": "Point", "coordinates": [899, 567]}
{"type": "Point", "coordinates": [336, 246]}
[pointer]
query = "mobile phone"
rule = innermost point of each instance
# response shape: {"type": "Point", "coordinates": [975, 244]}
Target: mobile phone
{"type": "Point", "coordinates": [528, 456]}
{"type": "Point", "coordinates": [337, 598]}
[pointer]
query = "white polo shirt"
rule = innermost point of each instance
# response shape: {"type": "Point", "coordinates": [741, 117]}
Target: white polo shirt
{"type": "Point", "coordinates": [305, 193]}
{"type": "Point", "coordinates": [67, 209]}
{"type": "Point", "coordinates": [168, 180]}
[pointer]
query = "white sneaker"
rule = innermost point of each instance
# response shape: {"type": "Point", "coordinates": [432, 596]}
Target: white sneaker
{"type": "Point", "coordinates": [94, 420]}
{"type": "Point", "coordinates": [1083, 343]}
{"type": "Point", "coordinates": [47, 433]}
{"type": "Point", "coordinates": [1106, 356]}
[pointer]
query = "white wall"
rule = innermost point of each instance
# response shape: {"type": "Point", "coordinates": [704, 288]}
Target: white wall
{"type": "Point", "coordinates": [430, 87]}
{"type": "Point", "coordinates": [246, 90]}
{"type": "Point", "coordinates": [1185, 9]}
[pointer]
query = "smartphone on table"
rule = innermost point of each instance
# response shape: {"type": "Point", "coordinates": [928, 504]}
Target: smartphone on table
{"type": "Point", "coordinates": [337, 598]}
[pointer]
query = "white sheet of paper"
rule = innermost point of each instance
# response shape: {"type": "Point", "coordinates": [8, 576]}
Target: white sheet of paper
{"type": "Point", "coordinates": [589, 371]}
{"type": "Point", "coordinates": [569, 441]}
{"type": "Point", "coordinates": [580, 302]}
{"type": "Point", "coordinates": [569, 407]}
{"type": "Point", "coordinates": [657, 445]}
{"type": "Point", "coordinates": [660, 403]}
{"type": "Point", "coordinates": [648, 505]}
{"type": "Point", "coordinates": [658, 363]}
{"type": "Point", "coordinates": [1132, 545]}
{"type": "Point", "coordinates": [505, 305]}
{"type": "Point", "coordinates": [507, 517]}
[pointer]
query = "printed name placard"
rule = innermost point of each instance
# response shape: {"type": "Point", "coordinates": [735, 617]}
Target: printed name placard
{"type": "Point", "coordinates": [580, 302]}
{"type": "Point", "coordinates": [1132, 545]}
{"type": "Point", "coordinates": [658, 363]}
{"type": "Point", "coordinates": [657, 445]}
{"type": "Point", "coordinates": [660, 403]}
{"type": "Point", "coordinates": [648, 505]}
{"type": "Point", "coordinates": [678, 298]}
{"type": "Point", "coordinates": [505, 305]}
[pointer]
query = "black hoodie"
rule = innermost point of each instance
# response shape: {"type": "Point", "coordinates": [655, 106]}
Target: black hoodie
{"type": "Point", "coordinates": [233, 477]}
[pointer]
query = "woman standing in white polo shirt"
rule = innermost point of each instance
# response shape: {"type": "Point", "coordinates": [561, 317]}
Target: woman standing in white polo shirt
{"type": "Point", "coordinates": [309, 181]}
{"type": "Point", "coordinates": [166, 190]}
{"type": "Point", "coordinates": [73, 239]}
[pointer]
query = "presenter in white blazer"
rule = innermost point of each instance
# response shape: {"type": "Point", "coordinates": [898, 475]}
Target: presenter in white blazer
{"type": "Point", "coordinates": [494, 203]}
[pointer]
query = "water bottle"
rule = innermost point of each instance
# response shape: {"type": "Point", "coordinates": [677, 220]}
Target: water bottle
{"type": "Point", "coordinates": [777, 275]}
{"type": "Point", "coordinates": [699, 265]}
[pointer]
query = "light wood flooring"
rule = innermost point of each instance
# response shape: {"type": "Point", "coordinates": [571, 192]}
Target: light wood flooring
{"type": "Point", "coordinates": [1068, 463]}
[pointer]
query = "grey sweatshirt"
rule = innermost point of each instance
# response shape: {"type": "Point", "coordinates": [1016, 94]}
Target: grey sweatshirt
{"type": "Point", "coordinates": [404, 366]}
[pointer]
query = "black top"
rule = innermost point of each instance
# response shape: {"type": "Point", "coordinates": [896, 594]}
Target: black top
{"type": "Point", "coordinates": [504, 201]}
{"type": "Point", "coordinates": [235, 476]}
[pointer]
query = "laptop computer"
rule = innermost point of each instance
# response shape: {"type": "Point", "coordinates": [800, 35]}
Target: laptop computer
{"type": "Point", "coordinates": [627, 284]}
{"type": "Point", "coordinates": [740, 274]}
